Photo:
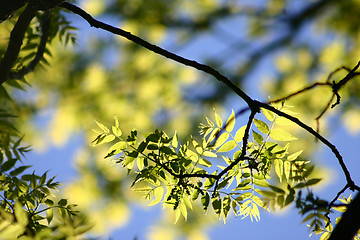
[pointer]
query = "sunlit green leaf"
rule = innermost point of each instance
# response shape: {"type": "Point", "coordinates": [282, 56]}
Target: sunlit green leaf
{"type": "Point", "coordinates": [216, 204]}
{"type": "Point", "coordinates": [239, 135]}
{"type": "Point", "coordinates": [158, 193]}
{"type": "Point", "coordinates": [228, 146]}
{"type": "Point", "coordinates": [226, 205]}
{"type": "Point", "coordinates": [230, 122]}
{"type": "Point", "coordinates": [175, 140]}
{"type": "Point", "coordinates": [218, 120]}
{"type": "Point", "coordinates": [103, 127]}
{"type": "Point", "coordinates": [262, 126]}
{"type": "Point", "coordinates": [294, 156]}
{"type": "Point", "coordinates": [258, 138]}
{"type": "Point", "coordinates": [268, 114]}
{"type": "Point", "coordinates": [183, 210]}
{"type": "Point", "coordinates": [49, 215]}
{"type": "Point", "coordinates": [281, 135]}
{"type": "Point", "coordinates": [205, 200]}
{"type": "Point", "coordinates": [221, 139]}
{"type": "Point", "coordinates": [116, 131]}
{"type": "Point", "coordinates": [21, 215]}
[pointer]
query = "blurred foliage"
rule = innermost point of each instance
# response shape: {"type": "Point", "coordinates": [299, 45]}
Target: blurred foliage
{"type": "Point", "coordinates": [86, 75]}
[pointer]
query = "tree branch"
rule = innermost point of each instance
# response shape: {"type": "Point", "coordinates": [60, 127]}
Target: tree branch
{"type": "Point", "coordinates": [7, 7]}
{"type": "Point", "coordinates": [16, 39]}
{"type": "Point", "coordinates": [40, 50]}
{"type": "Point", "coordinates": [349, 223]}
{"type": "Point", "coordinates": [204, 68]}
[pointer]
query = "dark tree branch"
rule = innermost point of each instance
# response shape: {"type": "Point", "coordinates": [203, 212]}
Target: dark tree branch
{"type": "Point", "coordinates": [295, 120]}
{"type": "Point", "coordinates": [16, 39]}
{"type": "Point", "coordinates": [204, 68]}
{"type": "Point", "coordinates": [40, 50]}
{"type": "Point", "coordinates": [349, 223]}
{"type": "Point", "coordinates": [7, 7]}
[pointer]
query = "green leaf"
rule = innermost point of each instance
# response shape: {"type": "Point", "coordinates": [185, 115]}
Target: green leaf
{"type": "Point", "coordinates": [131, 156]}
{"type": "Point", "coordinates": [6, 166]}
{"type": "Point", "coordinates": [183, 210]}
{"type": "Point", "coordinates": [209, 154]}
{"type": "Point", "coordinates": [281, 135]}
{"type": "Point", "coordinates": [261, 126]}
{"type": "Point", "coordinates": [4, 93]}
{"type": "Point", "coordinates": [276, 189]}
{"type": "Point", "coordinates": [287, 169]}
{"type": "Point", "coordinates": [116, 121]}
{"type": "Point", "coordinates": [19, 170]}
{"type": "Point", "coordinates": [294, 156]}
{"type": "Point", "coordinates": [166, 150]}
{"type": "Point", "coordinates": [278, 164]}
{"type": "Point", "coordinates": [239, 135]}
{"type": "Point", "coordinates": [228, 146]}
{"type": "Point", "coordinates": [268, 114]}
{"type": "Point", "coordinates": [218, 120]}
{"type": "Point", "coordinates": [102, 126]}
{"type": "Point", "coordinates": [210, 123]}
{"type": "Point", "coordinates": [116, 131]}
{"type": "Point", "coordinates": [313, 181]}
{"type": "Point", "coordinates": [195, 195]}
{"type": "Point", "coordinates": [216, 204]}
{"type": "Point", "coordinates": [153, 146]}
{"type": "Point", "coordinates": [158, 194]}
{"type": "Point", "coordinates": [230, 122]}
{"type": "Point", "coordinates": [258, 137]}
{"type": "Point", "coordinates": [205, 200]}
{"type": "Point", "coordinates": [226, 205]}
{"type": "Point", "coordinates": [14, 84]}
{"type": "Point", "coordinates": [289, 199]}
{"type": "Point", "coordinates": [49, 202]}
{"type": "Point", "coordinates": [209, 182]}
{"type": "Point", "coordinates": [205, 162]}
{"type": "Point", "coordinates": [62, 202]}
{"type": "Point", "coordinates": [260, 183]}
{"type": "Point", "coordinates": [221, 139]}
{"type": "Point", "coordinates": [21, 215]}
{"type": "Point", "coordinates": [49, 215]}
{"type": "Point", "coordinates": [116, 148]}
{"type": "Point", "coordinates": [175, 142]}
{"type": "Point", "coordinates": [258, 201]}
{"type": "Point", "coordinates": [244, 196]}
{"type": "Point", "coordinates": [267, 194]}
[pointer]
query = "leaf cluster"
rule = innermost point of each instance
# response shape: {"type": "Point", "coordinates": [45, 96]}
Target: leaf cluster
{"type": "Point", "coordinates": [198, 170]}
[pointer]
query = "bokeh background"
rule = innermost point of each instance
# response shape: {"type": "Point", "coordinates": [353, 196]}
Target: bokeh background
{"type": "Point", "coordinates": [268, 48]}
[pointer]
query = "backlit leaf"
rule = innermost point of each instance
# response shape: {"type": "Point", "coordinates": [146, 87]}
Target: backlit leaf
{"type": "Point", "coordinates": [218, 120]}
{"type": "Point", "coordinates": [258, 137]}
{"type": "Point", "coordinates": [230, 122]}
{"type": "Point", "coordinates": [216, 204]}
{"type": "Point", "coordinates": [158, 194]}
{"type": "Point", "coordinates": [221, 140]}
{"type": "Point", "coordinates": [239, 135]}
{"type": "Point", "coordinates": [294, 155]}
{"type": "Point", "coordinates": [205, 200]}
{"type": "Point", "coordinates": [261, 126]}
{"type": "Point", "coordinates": [228, 146]}
{"type": "Point", "coordinates": [281, 135]}
{"type": "Point", "coordinates": [102, 126]}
